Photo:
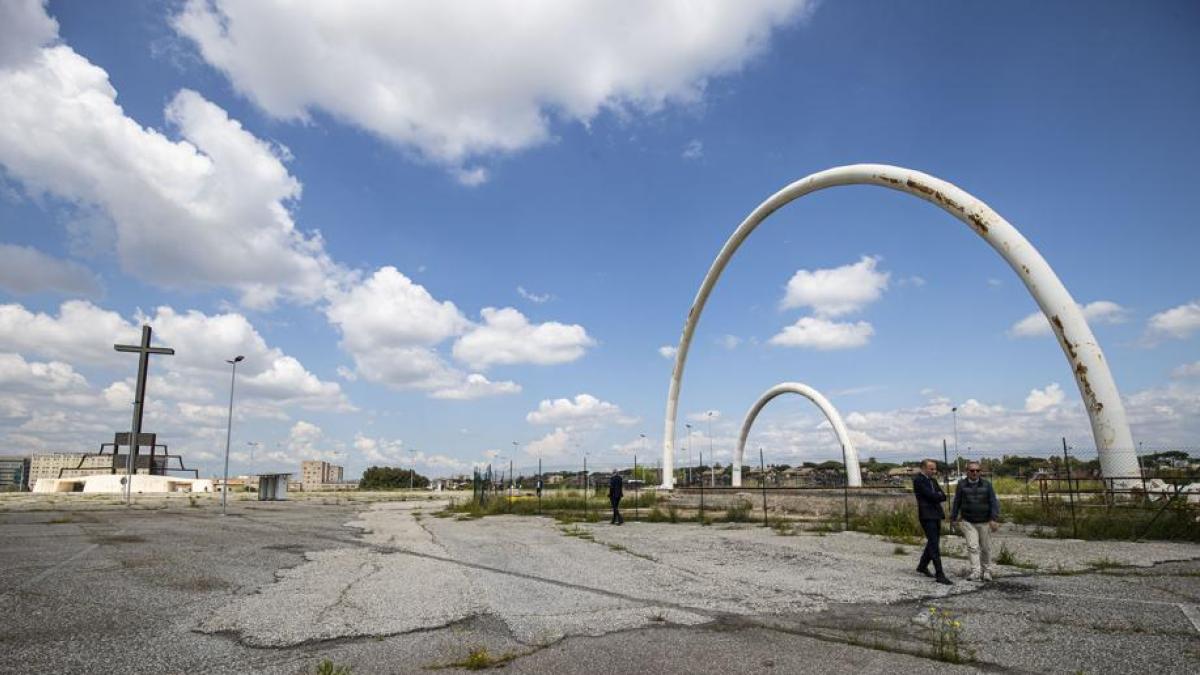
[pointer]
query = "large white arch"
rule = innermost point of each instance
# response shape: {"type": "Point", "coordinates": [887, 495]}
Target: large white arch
{"type": "Point", "coordinates": [853, 473]}
{"type": "Point", "coordinates": [1096, 386]}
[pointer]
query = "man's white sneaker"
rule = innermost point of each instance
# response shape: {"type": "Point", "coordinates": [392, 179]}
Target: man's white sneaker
{"type": "Point", "coordinates": [987, 576]}
{"type": "Point", "coordinates": [973, 576]}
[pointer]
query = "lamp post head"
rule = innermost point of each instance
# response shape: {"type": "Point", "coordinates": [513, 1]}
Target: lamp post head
{"type": "Point", "coordinates": [237, 359]}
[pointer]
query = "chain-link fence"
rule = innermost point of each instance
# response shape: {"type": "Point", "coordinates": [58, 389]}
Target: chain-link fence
{"type": "Point", "coordinates": [1058, 492]}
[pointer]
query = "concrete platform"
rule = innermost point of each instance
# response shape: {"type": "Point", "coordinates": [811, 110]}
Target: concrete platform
{"type": "Point", "coordinates": [390, 588]}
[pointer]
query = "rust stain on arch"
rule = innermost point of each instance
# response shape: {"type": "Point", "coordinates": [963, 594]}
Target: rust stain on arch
{"type": "Point", "coordinates": [1099, 391]}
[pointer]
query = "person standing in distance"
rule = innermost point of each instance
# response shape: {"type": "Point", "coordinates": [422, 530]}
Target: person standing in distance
{"type": "Point", "coordinates": [975, 501]}
{"type": "Point", "coordinates": [616, 490]}
{"type": "Point", "coordinates": [929, 511]}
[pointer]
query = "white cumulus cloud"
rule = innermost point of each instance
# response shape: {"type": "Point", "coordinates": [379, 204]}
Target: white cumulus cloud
{"type": "Point", "coordinates": [1099, 312]}
{"type": "Point", "coordinates": [207, 210]}
{"type": "Point", "coordinates": [553, 444]}
{"type": "Point", "coordinates": [84, 334]}
{"type": "Point", "coordinates": [458, 81]}
{"type": "Point", "coordinates": [837, 291]}
{"type": "Point", "coordinates": [506, 337]}
{"type": "Point", "coordinates": [823, 334]}
{"type": "Point", "coordinates": [584, 409]}
{"type": "Point", "coordinates": [476, 385]}
{"type": "Point", "coordinates": [1041, 399]}
{"type": "Point", "coordinates": [1178, 322]}
{"type": "Point", "coordinates": [389, 326]}
{"type": "Point", "coordinates": [24, 28]}
{"type": "Point", "coordinates": [667, 351]}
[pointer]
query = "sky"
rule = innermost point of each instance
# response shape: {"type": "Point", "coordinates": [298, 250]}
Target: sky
{"type": "Point", "coordinates": [447, 234]}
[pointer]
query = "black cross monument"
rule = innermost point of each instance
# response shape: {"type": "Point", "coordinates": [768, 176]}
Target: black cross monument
{"type": "Point", "coordinates": [144, 351]}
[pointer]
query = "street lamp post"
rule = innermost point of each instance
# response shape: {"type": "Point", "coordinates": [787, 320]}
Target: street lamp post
{"type": "Point", "coordinates": [643, 449]}
{"type": "Point", "coordinates": [516, 446]}
{"type": "Point", "coordinates": [689, 471]}
{"type": "Point", "coordinates": [229, 430]}
{"type": "Point", "coordinates": [252, 445]}
{"type": "Point", "coordinates": [710, 452]}
{"type": "Point", "coordinates": [954, 412]}
{"type": "Point", "coordinates": [412, 472]}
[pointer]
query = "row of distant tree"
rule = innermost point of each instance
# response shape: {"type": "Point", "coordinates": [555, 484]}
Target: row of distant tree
{"type": "Point", "coordinates": [1006, 465]}
{"type": "Point", "coordinates": [395, 478]}
{"type": "Point", "coordinates": [391, 478]}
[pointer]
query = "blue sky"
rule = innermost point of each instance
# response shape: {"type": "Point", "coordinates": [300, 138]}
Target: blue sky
{"type": "Point", "coordinates": [595, 157]}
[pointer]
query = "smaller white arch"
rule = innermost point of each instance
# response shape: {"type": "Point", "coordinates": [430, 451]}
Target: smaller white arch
{"type": "Point", "coordinates": [853, 473]}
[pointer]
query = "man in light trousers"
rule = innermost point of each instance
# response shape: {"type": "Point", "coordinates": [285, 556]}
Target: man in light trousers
{"type": "Point", "coordinates": [976, 503]}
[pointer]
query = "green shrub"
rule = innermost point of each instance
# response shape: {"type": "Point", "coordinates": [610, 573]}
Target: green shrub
{"type": "Point", "coordinates": [898, 524]}
{"type": "Point", "coordinates": [739, 512]}
{"type": "Point", "coordinates": [1094, 522]}
{"type": "Point", "coordinates": [327, 667]}
{"type": "Point", "coordinates": [480, 659]}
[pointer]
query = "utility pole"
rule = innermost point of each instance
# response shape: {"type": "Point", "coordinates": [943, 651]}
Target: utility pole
{"type": "Point", "coordinates": [689, 471]}
{"type": "Point", "coordinates": [957, 460]}
{"type": "Point", "coordinates": [710, 452]}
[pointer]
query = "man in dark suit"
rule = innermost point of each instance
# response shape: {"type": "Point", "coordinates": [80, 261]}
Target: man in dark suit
{"type": "Point", "coordinates": [929, 511]}
{"type": "Point", "coordinates": [616, 490]}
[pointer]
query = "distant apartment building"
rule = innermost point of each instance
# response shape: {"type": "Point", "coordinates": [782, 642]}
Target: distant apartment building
{"type": "Point", "coordinates": [14, 474]}
{"type": "Point", "coordinates": [315, 474]}
{"type": "Point", "coordinates": [48, 465]}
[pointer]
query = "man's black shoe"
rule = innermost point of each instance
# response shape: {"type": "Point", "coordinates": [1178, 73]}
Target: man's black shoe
{"type": "Point", "coordinates": [943, 580]}
{"type": "Point", "coordinates": [925, 571]}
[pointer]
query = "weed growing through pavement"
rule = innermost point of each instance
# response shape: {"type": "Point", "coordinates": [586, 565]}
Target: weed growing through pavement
{"type": "Point", "coordinates": [1007, 557]}
{"type": "Point", "coordinates": [480, 659]}
{"type": "Point", "coordinates": [578, 532]}
{"type": "Point", "coordinates": [899, 550]}
{"type": "Point", "coordinates": [945, 636]}
{"type": "Point", "coordinates": [327, 667]}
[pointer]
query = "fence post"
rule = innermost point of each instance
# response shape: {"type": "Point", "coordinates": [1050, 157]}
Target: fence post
{"type": "Point", "coordinates": [1070, 489]}
{"type": "Point", "coordinates": [539, 485]}
{"type": "Point", "coordinates": [636, 492]}
{"type": "Point", "coordinates": [945, 460]}
{"type": "Point", "coordinates": [845, 493]}
{"type": "Point", "coordinates": [762, 467]}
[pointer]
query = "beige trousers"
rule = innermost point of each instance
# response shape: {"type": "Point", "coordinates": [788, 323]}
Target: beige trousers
{"type": "Point", "coordinates": [979, 545]}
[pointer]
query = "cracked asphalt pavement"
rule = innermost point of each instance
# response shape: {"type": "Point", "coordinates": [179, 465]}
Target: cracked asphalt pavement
{"type": "Point", "coordinates": [392, 588]}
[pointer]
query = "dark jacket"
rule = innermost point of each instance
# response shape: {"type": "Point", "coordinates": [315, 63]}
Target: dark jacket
{"type": "Point", "coordinates": [929, 498]}
{"type": "Point", "coordinates": [616, 487]}
{"type": "Point", "coordinates": [976, 502]}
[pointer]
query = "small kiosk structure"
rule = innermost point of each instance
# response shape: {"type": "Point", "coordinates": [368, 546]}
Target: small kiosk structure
{"type": "Point", "coordinates": [272, 487]}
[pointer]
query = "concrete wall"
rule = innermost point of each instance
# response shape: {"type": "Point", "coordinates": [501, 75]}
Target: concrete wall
{"type": "Point", "coordinates": [111, 484]}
